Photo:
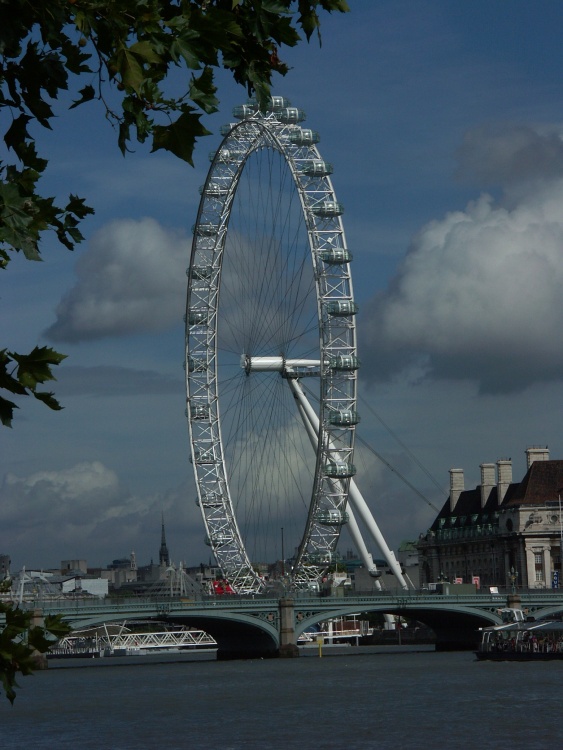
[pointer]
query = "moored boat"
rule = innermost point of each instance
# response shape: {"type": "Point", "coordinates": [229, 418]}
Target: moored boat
{"type": "Point", "coordinates": [104, 641]}
{"type": "Point", "coordinates": [522, 640]}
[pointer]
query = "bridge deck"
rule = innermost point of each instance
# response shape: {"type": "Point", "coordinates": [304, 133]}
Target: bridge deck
{"type": "Point", "coordinates": [256, 620]}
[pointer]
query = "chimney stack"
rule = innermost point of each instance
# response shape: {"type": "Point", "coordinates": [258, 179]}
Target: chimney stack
{"type": "Point", "coordinates": [488, 481]}
{"type": "Point", "coordinates": [504, 477]}
{"type": "Point", "coordinates": [535, 453]}
{"type": "Point", "coordinates": [457, 486]}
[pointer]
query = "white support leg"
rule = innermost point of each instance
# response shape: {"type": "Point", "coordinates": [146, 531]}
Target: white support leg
{"type": "Point", "coordinates": [354, 495]}
{"type": "Point", "coordinates": [353, 527]}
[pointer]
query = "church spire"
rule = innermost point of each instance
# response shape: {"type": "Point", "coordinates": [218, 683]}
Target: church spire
{"type": "Point", "coordinates": [164, 555]}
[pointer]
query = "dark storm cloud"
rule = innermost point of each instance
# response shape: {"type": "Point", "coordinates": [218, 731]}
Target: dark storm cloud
{"type": "Point", "coordinates": [114, 381]}
{"type": "Point", "coordinates": [85, 512]}
{"type": "Point", "coordinates": [506, 154]}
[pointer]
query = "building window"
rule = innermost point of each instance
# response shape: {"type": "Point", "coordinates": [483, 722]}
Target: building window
{"type": "Point", "coordinates": [538, 562]}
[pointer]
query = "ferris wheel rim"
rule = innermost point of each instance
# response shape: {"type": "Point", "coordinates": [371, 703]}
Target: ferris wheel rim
{"type": "Point", "coordinates": [337, 347]}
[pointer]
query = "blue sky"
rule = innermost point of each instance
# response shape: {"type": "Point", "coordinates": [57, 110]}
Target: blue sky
{"type": "Point", "coordinates": [444, 124]}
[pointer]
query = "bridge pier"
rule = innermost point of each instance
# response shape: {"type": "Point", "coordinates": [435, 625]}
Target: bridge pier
{"type": "Point", "coordinates": [514, 601]}
{"type": "Point", "coordinates": [39, 660]}
{"type": "Point", "coordinates": [288, 644]}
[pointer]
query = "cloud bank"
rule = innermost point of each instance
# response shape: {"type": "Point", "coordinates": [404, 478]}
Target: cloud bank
{"type": "Point", "coordinates": [508, 154]}
{"type": "Point", "coordinates": [85, 512]}
{"type": "Point", "coordinates": [131, 279]}
{"type": "Point", "coordinates": [480, 293]}
{"type": "Point", "coordinates": [111, 380]}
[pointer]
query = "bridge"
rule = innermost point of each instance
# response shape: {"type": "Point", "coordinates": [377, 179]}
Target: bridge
{"type": "Point", "coordinates": [247, 627]}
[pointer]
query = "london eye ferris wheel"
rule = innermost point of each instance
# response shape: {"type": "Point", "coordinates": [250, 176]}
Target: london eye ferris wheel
{"type": "Point", "coordinates": [271, 355]}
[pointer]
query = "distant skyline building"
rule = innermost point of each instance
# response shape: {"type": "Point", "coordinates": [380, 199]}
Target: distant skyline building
{"type": "Point", "coordinates": [4, 566]}
{"type": "Point", "coordinates": [164, 555]}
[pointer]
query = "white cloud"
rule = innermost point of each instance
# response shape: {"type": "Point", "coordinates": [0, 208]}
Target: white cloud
{"type": "Point", "coordinates": [131, 279]}
{"type": "Point", "coordinates": [478, 296]}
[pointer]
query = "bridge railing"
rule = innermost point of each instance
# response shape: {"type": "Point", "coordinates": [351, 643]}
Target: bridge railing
{"type": "Point", "coordinates": [152, 607]}
{"type": "Point", "coordinates": [144, 606]}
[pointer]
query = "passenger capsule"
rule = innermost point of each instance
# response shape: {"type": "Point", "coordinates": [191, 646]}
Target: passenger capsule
{"type": "Point", "coordinates": [332, 517]}
{"type": "Point", "coordinates": [335, 256]}
{"type": "Point", "coordinates": [197, 317]}
{"type": "Point", "coordinates": [277, 103]}
{"type": "Point", "coordinates": [214, 189]}
{"type": "Point", "coordinates": [227, 156]}
{"type": "Point", "coordinates": [211, 500]}
{"type": "Point", "coordinates": [244, 111]}
{"type": "Point", "coordinates": [205, 230]}
{"type": "Point", "coordinates": [203, 457]}
{"type": "Point", "coordinates": [339, 469]}
{"type": "Point", "coordinates": [344, 362]}
{"type": "Point", "coordinates": [342, 308]}
{"type": "Point", "coordinates": [317, 168]}
{"type": "Point", "coordinates": [328, 209]}
{"type": "Point", "coordinates": [218, 539]}
{"type": "Point", "coordinates": [226, 129]}
{"type": "Point", "coordinates": [199, 412]}
{"type": "Point", "coordinates": [304, 137]}
{"type": "Point", "coordinates": [291, 114]}
{"type": "Point", "coordinates": [201, 273]}
{"type": "Point", "coordinates": [320, 558]}
{"type": "Point", "coordinates": [196, 364]}
{"type": "Point", "coordinates": [344, 418]}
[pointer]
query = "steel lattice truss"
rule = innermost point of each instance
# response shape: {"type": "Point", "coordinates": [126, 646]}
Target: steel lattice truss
{"type": "Point", "coordinates": [255, 137]}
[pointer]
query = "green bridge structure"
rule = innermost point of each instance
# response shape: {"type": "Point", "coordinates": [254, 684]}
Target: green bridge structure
{"type": "Point", "coordinates": [250, 627]}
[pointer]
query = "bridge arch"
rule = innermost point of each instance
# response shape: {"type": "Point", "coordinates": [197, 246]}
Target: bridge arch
{"type": "Point", "coordinates": [455, 627]}
{"type": "Point", "coordinates": [259, 635]}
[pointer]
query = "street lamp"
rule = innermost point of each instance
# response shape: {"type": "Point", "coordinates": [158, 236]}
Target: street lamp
{"type": "Point", "coordinates": [559, 491]}
{"type": "Point", "coordinates": [282, 555]}
{"type": "Point", "coordinates": [513, 576]}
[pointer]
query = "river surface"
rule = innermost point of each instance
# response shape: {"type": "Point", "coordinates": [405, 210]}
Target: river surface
{"type": "Point", "coordinates": [382, 698]}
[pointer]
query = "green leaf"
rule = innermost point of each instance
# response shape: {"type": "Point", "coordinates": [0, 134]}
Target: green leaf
{"type": "Point", "coordinates": [202, 91]}
{"type": "Point", "coordinates": [19, 643]}
{"type": "Point", "coordinates": [180, 49]}
{"type": "Point", "coordinates": [17, 132]}
{"type": "Point", "coordinates": [145, 50]}
{"type": "Point", "coordinates": [179, 138]}
{"type": "Point", "coordinates": [87, 94]}
{"type": "Point", "coordinates": [56, 626]}
{"type": "Point", "coordinates": [48, 399]}
{"type": "Point", "coordinates": [35, 367]}
{"type": "Point", "coordinates": [130, 69]}
{"type": "Point", "coordinates": [7, 411]}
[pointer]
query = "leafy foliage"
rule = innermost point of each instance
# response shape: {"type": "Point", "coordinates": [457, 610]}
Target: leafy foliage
{"type": "Point", "coordinates": [21, 373]}
{"type": "Point", "coordinates": [20, 642]}
{"type": "Point", "coordinates": [123, 52]}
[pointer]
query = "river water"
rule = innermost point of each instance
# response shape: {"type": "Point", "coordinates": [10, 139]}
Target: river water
{"type": "Point", "coordinates": [382, 698]}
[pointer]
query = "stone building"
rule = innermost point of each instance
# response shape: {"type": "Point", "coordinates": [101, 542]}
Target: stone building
{"type": "Point", "coordinates": [4, 566]}
{"type": "Point", "coordinates": [502, 533]}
